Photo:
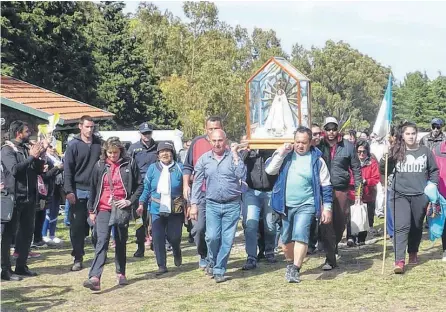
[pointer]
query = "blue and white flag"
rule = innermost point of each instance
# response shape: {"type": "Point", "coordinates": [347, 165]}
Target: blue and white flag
{"type": "Point", "coordinates": [384, 118]}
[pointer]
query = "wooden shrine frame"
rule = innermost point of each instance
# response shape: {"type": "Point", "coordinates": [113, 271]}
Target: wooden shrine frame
{"type": "Point", "coordinates": [272, 143]}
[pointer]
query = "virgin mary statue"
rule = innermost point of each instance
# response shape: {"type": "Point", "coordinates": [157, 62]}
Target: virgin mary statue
{"type": "Point", "coordinates": [280, 120]}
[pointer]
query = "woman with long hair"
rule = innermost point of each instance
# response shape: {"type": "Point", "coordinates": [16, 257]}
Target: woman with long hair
{"type": "Point", "coordinates": [412, 167]}
{"type": "Point", "coordinates": [115, 184]}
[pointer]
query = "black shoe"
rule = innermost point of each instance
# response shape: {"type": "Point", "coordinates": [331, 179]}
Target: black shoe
{"type": "Point", "coordinates": [24, 271]}
{"type": "Point", "coordinates": [139, 252]}
{"type": "Point", "coordinates": [161, 271]}
{"type": "Point", "coordinates": [311, 250]}
{"type": "Point", "coordinates": [249, 265]}
{"type": "Point", "coordinates": [8, 275]}
{"type": "Point", "coordinates": [40, 244]}
{"type": "Point", "coordinates": [77, 266]}
{"type": "Point", "coordinates": [190, 240]}
{"type": "Point", "coordinates": [178, 260]}
{"type": "Point", "coordinates": [271, 259]}
{"type": "Point", "coordinates": [260, 256]}
{"type": "Point", "coordinates": [220, 278]}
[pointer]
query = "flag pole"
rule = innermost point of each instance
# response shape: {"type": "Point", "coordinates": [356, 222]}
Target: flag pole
{"type": "Point", "coordinates": [385, 211]}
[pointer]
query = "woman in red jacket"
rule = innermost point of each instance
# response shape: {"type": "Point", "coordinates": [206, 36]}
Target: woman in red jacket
{"type": "Point", "coordinates": [371, 177]}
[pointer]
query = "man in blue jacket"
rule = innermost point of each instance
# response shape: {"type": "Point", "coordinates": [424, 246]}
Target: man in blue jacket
{"type": "Point", "coordinates": [303, 184]}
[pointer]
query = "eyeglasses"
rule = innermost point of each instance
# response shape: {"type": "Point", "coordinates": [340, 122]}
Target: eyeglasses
{"type": "Point", "coordinates": [331, 129]}
{"type": "Point", "coordinates": [316, 133]}
{"type": "Point", "coordinates": [361, 152]}
{"type": "Point", "coordinates": [438, 127]}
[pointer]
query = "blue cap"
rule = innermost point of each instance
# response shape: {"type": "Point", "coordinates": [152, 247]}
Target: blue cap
{"type": "Point", "coordinates": [165, 145]}
{"type": "Point", "coordinates": [145, 127]}
{"type": "Point", "coordinates": [437, 121]}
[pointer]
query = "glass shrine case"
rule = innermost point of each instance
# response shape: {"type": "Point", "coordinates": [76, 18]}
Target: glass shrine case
{"type": "Point", "coordinates": [277, 102]}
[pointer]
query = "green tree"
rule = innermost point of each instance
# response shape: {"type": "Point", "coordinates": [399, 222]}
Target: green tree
{"type": "Point", "coordinates": [44, 43]}
{"type": "Point", "coordinates": [164, 38]}
{"type": "Point", "coordinates": [126, 86]}
{"type": "Point", "coordinates": [345, 82]}
{"type": "Point", "coordinates": [419, 99]}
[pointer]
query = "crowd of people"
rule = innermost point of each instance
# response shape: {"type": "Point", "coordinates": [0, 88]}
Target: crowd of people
{"type": "Point", "coordinates": [300, 195]}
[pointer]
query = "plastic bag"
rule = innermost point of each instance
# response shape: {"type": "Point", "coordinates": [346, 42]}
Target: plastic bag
{"type": "Point", "coordinates": [436, 224]}
{"type": "Point", "coordinates": [359, 218]}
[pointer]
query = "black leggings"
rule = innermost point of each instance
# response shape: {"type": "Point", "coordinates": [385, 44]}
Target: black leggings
{"type": "Point", "coordinates": [408, 213]}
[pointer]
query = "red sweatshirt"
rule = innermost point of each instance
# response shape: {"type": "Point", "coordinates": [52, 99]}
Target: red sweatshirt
{"type": "Point", "coordinates": [370, 173]}
{"type": "Point", "coordinates": [118, 185]}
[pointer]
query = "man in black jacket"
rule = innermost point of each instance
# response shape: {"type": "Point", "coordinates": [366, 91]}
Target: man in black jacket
{"type": "Point", "coordinates": [340, 157]}
{"type": "Point", "coordinates": [256, 204]}
{"type": "Point", "coordinates": [21, 166]}
{"type": "Point", "coordinates": [144, 153]}
{"type": "Point", "coordinates": [435, 137]}
{"type": "Point", "coordinates": [80, 157]}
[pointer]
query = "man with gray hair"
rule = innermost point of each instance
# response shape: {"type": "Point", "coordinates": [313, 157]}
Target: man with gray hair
{"type": "Point", "coordinates": [222, 171]}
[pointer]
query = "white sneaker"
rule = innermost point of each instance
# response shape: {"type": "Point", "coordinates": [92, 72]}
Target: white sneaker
{"type": "Point", "coordinates": [47, 240]}
{"type": "Point", "coordinates": [327, 267]}
{"type": "Point", "coordinates": [56, 240]}
{"type": "Point", "coordinates": [444, 256]}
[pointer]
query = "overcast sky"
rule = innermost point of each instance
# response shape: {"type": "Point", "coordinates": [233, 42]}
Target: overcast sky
{"type": "Point", "coordinates": [407, 36]}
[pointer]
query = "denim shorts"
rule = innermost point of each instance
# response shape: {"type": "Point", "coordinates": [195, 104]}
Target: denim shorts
{"type": "Point", "coordinates": [296, 224]}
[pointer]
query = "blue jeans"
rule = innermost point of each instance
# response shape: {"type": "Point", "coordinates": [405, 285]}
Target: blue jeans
{"type": "Point", "coordinates": [52, 212]}
{"type": "Point", "coordinates": [169, 227]}
{"type": "Point", "coordinates": [297, 223]}
{"type": "Point", "coordinates": [255, 204]}
{"type": "Point", "coordinates": [66, 219]}
{"type": "Point", "coordinates": [221, 225]}
{"type": "Point", "coordinates": [389, 216]}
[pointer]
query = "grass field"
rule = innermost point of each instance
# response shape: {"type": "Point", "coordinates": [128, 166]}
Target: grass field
{"type": "Point", "coordinates": [357, 285]}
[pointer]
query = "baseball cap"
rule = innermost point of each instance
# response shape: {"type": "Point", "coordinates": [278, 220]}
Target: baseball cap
{"type": "Point", "coordinates": [165, 145]}
{"type": "Point", "coordinates": [145, 127]}
{"type": "Point", "coordinates": [437, 121]}
{"type": "Point", "coordinates": [329, 120]}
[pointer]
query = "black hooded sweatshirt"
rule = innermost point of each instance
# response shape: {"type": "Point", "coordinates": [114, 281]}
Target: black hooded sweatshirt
{"type": "Point", "coordinates": [80, 158]}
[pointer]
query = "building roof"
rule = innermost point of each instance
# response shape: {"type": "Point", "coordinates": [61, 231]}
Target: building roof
{"type": "Point", "coordinates": [43, 103]}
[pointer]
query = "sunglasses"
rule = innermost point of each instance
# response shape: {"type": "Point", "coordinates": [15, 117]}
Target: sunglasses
{"type": "Point", "coordinates": [331, 129]}
{"type": "Point", "coordinates": [361, 152]}
{"type": "Point", "coordinates": [438, 127]}
{"type": "Point", "coordinates": [316, 133]}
